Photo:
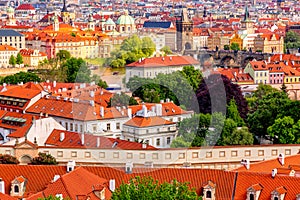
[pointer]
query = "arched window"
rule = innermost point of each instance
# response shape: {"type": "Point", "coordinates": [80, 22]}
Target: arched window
{"type": "Point", "coordinates": [16, 189]}
{"type": "Point", "coordinates": [275, 198]}
{"type": "Point", "coordinates": [208, 194]}
{"type": "Point", "coordinates": [251, 196]}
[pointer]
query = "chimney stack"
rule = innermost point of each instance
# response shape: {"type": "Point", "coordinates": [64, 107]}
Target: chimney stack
{"type": "Point", "coordinates": [274, 172]}
{"type": "Point", "coordinates": [82, 138]}
{"type": "Point", "coordinates": [98, 142]}
{"type": "Point", "coordinates": [61, 136]}
{"type": "Point", "coordinates": [2, 186]}
{"type": "Point", "coordinates": [101, 111]}
{"type": "Point", "coordinates": [281, 158]}
{"type": "Point", "coordinates": [71, 165]}
{"type": "Point", "coordinates": [246, 163]}
{"type": "Point", "coordinates": [129, 113]}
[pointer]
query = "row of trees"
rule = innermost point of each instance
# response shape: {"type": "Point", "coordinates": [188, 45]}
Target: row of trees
{"type": "Point", "coordinates": [41, 159]}
{"type": "Point", "coordinates": [15, 60]}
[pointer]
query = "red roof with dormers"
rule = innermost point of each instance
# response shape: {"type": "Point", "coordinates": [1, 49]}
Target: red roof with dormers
{"type": "Point", "coordinates": [7, 48]}
{"type": "Point", "coordinates": [165, 61]}
{"type": "Point", "coordinates": [78, 184]}
{"type": "Point", "coordinates": [30, 53]}
{"type": "Point", "coordinates": [25, 6]}
{"type": "Point", "coordinates": [259, 65]}
{"type": "Point", "coordinates": [74, 140]}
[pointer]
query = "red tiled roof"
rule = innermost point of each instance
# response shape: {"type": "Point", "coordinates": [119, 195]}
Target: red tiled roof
{"type": "Point", "coordinates": [25, 6]}
{"type": "Point", "coordinates": [148, 121]}
{"type": "Point", "coordinates": [7, 48]}
{"type": "Point", "coordinates": [20, 92]}
{"type": "Point", "coordinates": [6, 197]}
{"type": "Point", "coordinates": [165, 61]}
{"type": "Point", "coordinates": [73, 139]}
{"type": "Point", "coordinates": [79, 182]}
{"type": "Point", "coordinates": [37, 176]}
{"type": "Point", "coordinates": [259, 65]}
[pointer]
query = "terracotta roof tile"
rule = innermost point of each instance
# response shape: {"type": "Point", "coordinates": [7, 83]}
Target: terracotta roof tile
{"type": "Point", "coordinates": [73, 139]}
{"type": "Point", "coordinates": [148, 121]}
{"type": "Point", "coordinates": [165, 61]}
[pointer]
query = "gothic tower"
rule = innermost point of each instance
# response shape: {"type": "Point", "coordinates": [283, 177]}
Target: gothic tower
{"type": "Point", "coordinates": [184, 34]}
{"type": "Point", "coordinates": [65, 14]}
{"type": "Point", "coordinates": [247, 24]}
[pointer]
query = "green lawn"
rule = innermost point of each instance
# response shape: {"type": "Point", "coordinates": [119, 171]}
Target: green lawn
{"type": "Point", "coordinates": [95, 61]}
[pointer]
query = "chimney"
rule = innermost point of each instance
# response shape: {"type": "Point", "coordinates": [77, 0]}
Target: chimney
{"type": "Point", "coordinates": [281, 158]}
{"type": "Point", "coordinates": [144, 145]}
{"type": "Point", "coordinates": [61, 136]}
{"type": "Point", "coordinates": [274, 172]}
{"type": "Point", "coordinates": [82, 138]}
{"type": "Point", "coordinates": [54, 84]}
{"type": "Point", "coordinates": [92, 94]}
{"type": "Point", "coordinates": [2, 186]}
{"type": "Point", "coordinates": [144, 108]}
{"type": "Point", "coordinates": [158, 108]}
{"type": "Point", "coordinates": [269, 59]}
{"type": "Point", "coordinates": [161, 101]}
{"type": "Point", "coordinates": [167, 100]}
{"type": "Point", "coordinates": [71, 165]}
{"type": "Point", "coordinates": [246, 163]}
{"type": "Point", "coordinates": [101, 111]}
{"type": "Point", "coordinates": [129, 113]}
{"type": "Point", "coordinates": [280, 57]}
{"type": "Point", "coordinates": [98, 142]}
{"type": "Point", "coordinates": [112, 185]}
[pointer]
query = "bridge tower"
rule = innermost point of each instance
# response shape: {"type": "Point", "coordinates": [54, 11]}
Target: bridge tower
{"type": "Point", "coordinates": [184, 34]}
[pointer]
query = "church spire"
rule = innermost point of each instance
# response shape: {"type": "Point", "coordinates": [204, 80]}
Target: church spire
{"type": "Point", "coordinates": [64, 9]}
{"type": "Point", "coordinates": [246, 16]}
{"type": "Point", "coordinates": [204, 12]}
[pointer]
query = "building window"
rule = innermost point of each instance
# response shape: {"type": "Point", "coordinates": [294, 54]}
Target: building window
{"type": "Point", "coordinates": [66, 126]}
{"type": "Point", "coordinates": [261, 152]}
{"type": "Point", "coordinates": [142, 155]}
{"type": "Point", "coordinates": [287, 152]}
{"type": "Point", "coordinates": [251, 196]}
{"type": "Point", "coordinates": [71, 126]}
{"type": "Point", "coordinates": [87, 154]}
{"type": "Point", "coordinates": [94, 128]}
{"type": "Point", "coordinates": [155, 156]}
{"type": "Point", "coordinates": [118, 126]}
{"type": "Point", "coordinates": [168, 140]}
{"type": "Point", "coordinates": [81, 128]}
{"type": "Point", "coordinates": [208, 154]}
{"type": "Point", "coordinates": [234, 153]}
{"type": "Point", "coordinates": [168, 156]}
{"type": "Point", "coordinates": [157, 142]}
{"type": "Point", "coordinates": [195, 155]}
{"type": "Point", "coordinates": [60, 154]}
{"type": "Point", "coordinates": [181, 155]}
{"type": "Point", "coordinates": [102, 155]}
{"type": "Point", "coordinates": [222, 154]}
{"type": "Point", "coordinates": [74, 154]}
{"type": "Point", "coordinates": [76, 127]}
{"type": "Point", "coordinates": [16, 189]}
{"type": "Point", "coordinates": [129, 155]}
{"type": "Point", "coordinates": [247, 153]}
{"type": "Point", "coordinates": [208, 194]}
{"type": "Point", "coordinates": [108, 127]}
{"type": "Point", "coordinates": [116, 155]}
{"type": "Point", "coordinates": [274, 152]}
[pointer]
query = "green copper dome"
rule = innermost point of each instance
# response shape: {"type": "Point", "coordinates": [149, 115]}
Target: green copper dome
{"type": "Point", "coordinates": [110, 22]}
{"type": "Point", "coordinates": [125, 19]}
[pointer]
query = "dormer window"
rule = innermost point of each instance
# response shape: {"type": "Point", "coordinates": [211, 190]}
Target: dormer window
{"type": "Point", "coordinates": [16, 189]}
{"type": "Point", "coordinates": [278, 193]}
{"type": "Point", "coordinates": [254, 191]}
{"type": "Point", "coordinates": [18, 186]}
{"type": "Point", "coordinates": [209, 190]}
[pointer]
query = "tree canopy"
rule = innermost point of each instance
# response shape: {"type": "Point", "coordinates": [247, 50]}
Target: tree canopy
{"type": "Point", "coordinates": [148, 188]}
{"type": "Point", "coordinates": [235, 46]}
{"type": "Point", "coordinates": [21, 77]}
{"type": "Point", "coordinates": [44, 159]}
{"type": "Point", "coordinates": [76, 71]}
{"type": "Point", "coordinates": [19, 59]}
{"type": "Point", "coordinates": [122, 99]}
{"type": "Point", "coordinates": [8, 159]}
{"type": "Point", "coordinates": [131, 49]}
{"type": "Point", "coordinates": [12, 60]}
{"type": "Point", "coordinates": [292, 40]}
{"type": "Point", "coordinates": [63, 55]}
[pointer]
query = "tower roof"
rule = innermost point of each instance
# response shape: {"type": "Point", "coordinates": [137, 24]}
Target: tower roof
{"type": "Point", "coordinates": [246, 15]}
{"type": "Point", "coordinates": [64, 9]}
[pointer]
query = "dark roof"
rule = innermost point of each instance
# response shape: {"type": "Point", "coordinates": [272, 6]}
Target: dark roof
{"type": "Point", "coordinates": [9, 32]}
{"type": "Point", "coordinates": [149, 24]}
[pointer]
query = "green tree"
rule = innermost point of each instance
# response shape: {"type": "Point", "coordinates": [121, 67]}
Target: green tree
{"type": "Point", "coordinates": [166, 50]}
{"type": "Point", "coordinates": [76, 71]}
{"type": "Point", "coordinates": [44, 159]}
{"type": "Point", "coordinates": [282, 131]}
{"type": "Point", "coordinates": [102, 84]}
{"type": "Point", "coordinates": [235, 46]}
{"type": "Point", "coordinates": [63, 55]}
{"type": "Point", "coordinates": [19, 59]}
{"type": "Point", "coordinates": [283, 88]}
{"type": "Point", "coordinates": [233, 113]}
{"type": "Point", "coordinates": [226, 47]}
{"type": "Point", "coordinates": [122, 99]}
{"type": "Point", "coordinates": [148, 188]}
{"type": "Point", "coordinates": [292, 40]}
{"type": "Point", "coordinates": [148, 46]}
{"type": "Point", "coordinates": [240, 137]}
{"type": "Point", "coordinates": [192, 75]}
{"type": "Point", "coordinates": [12, 60]}
{"type": "Point", "coordinates": [21, 77]}
{"type": "Point", "coordinates": [8, 159]}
